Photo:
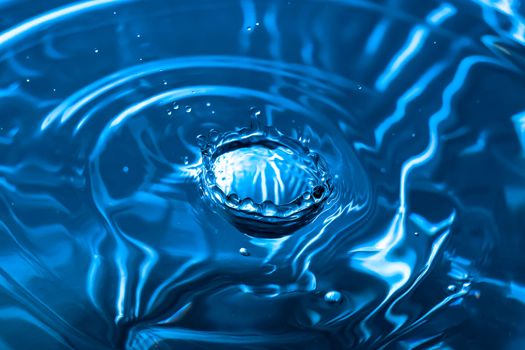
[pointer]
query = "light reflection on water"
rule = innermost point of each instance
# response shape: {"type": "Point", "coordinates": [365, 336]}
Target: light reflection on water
{"type": "Point", "coordinates": [109, 241]}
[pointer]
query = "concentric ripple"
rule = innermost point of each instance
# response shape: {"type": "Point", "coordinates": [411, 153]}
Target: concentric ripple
{"type": "Point", "coordinates": [384, 160]}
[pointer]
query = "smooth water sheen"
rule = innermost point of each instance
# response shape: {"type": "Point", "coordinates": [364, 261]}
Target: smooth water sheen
{"type": "Point", "coordinates": [360, 183]}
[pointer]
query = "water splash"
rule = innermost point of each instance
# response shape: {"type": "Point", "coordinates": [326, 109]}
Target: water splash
{"type": "Point", "coordinates": [266, 183]}
{"type": "Point", "coordinates": [409, 102]}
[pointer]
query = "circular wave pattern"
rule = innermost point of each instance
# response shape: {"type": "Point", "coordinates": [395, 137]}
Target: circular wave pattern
{"type": "Point", "coordinates": [380, 126]}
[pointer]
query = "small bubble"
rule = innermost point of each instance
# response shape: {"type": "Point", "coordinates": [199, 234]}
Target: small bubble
{"type": "Point", "coordinates": [244, 252]}
{"type": "Point", "coordinates": [452, 288]}
{"type": "Point", "coordinates": [188, 109]}
{"type": "Point", "coordinates": [176, 106]}
{"type": "Point", "coordinates": [212, 112]}
{"type": "Point", "coordinates": [28, 80]}
{"type": "Point", "coordinates": [333, 297]}
{"type": "Point", "coordinates": [138, 35]}
{"type": "Point", "coordinates": [165, 82]}
{"type": "Point", "coordinates": [416, 233]}
{"type": "Point", "coordinates": [257, 24]}
{"type": "Point", "coordinates": [186, 161]}
{"type": "Point", "coordinates": [359, 87]}
{"type": "Point", "coordinates": [125, 169]}
{"type": "Point", "coordinates": [249, 29]}
{"type": "Point", "coordinates": [413, 134]}
{"type": "Point", "coordinates": [307, 196]}
{"type": "Point", "coordinates": [54, 90]}
{"type": "Point", "coordinates": [208, 104]}
{"type": "Point", "coordinates": [96, 50]}
{"type": "Point", "coordinates": [169, 112]}
{"type": "Point", "coordinates": [114, 12]}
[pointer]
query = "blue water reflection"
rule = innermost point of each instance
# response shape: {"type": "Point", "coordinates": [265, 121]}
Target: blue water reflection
{"type": "Point", "coordinates": [376, 201]}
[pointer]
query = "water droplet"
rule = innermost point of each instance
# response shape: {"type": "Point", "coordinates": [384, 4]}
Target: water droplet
{"type": "Point", "coordinates": [28, 80]}
{"type": "Point", "coordinates": [176, 106]}
{"type": "Point", "coordinates": [96, 50]}
{"type": "Point", "coordinates": [416, 233]}
{"type": "Point", "coordinates": [165, 82]}
{"type": "Point", "coordinates": [255, 121]}
{"type": "Point", "coordinates": [249, 29]}
{"type": "Point", "coordinates": [244, 252]}
{"type": "Point", "coordinates": [452, 288]}
{"type": "Point", "coordinates": [256, 112]}
{"type": "Point", "coordinates": [257, 24]}
{"type": "Point", "coordinates": [186, 161]}
{"type": "Point", "coordinates": [188, 109]}
{"type": "Point", "coordinates": [333, 297]}
{"type": "Point", "coordinates": [138, 35]}
{"type": "Point", "coordinates": [208, 104]}
{"type": "Point", "coordinates": [169, 112]}
{"type": "Point", "coordinates": [266, 183]}
{"type": "Point", "coordinates": [125, 169]}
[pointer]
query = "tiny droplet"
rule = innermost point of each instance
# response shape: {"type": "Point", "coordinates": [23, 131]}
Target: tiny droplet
{"type": "Point", "coordinates": [332, 297]}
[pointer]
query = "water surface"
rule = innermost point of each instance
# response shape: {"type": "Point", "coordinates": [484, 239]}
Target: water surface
{"type": "Point", "coordinates": [386, 176]}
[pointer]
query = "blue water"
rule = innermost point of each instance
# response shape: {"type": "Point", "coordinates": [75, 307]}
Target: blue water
{"type": "Point", "coordinates": [262, 174]}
